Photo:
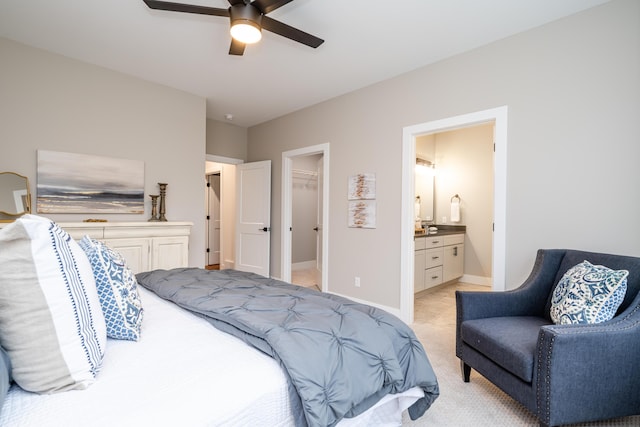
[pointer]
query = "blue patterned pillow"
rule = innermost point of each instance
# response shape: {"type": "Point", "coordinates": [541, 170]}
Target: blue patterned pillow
{"type": "Point", "coordinates": [117, 290]}
{"type": "Point", "coordinates": [588, 293]}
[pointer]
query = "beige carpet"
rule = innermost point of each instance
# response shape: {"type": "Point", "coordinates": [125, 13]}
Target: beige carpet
{"type": "Point", "coordinates": [477, 403]}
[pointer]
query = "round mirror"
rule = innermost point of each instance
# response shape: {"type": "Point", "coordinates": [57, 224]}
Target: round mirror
{"type": "Point", "coordinates": [15, 198]}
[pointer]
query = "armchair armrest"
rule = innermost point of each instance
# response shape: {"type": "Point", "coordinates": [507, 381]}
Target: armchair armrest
{"type": "Point", "coordinates": [529, 299]}
{"type": "Point", "coordinates": [589, 372]}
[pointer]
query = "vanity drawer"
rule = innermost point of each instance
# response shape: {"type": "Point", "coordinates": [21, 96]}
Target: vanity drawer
{"type": "Point", "coordinates": [434, 257]}
{"type": "Point", "coordinates": [433, 242]}
{"type": "Point", "coordinates": [419, 243]}
{"type": "Point", "coordinates": [432, 277]}
{"type": "Point", "coordinates": [454, 239]}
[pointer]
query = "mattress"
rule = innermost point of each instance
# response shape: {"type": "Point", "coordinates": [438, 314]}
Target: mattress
{"type": "Point", "coordinates": [182, 371]}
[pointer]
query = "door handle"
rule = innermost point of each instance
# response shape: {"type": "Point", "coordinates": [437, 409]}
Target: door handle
{"type": "Point", "coordinates": [315, 228]}
{"type": "Point", "coordinates": [265, 229]}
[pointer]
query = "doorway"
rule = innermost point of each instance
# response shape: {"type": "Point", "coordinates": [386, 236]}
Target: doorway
{"type": "Point", "coordinates": [220, 232]}
{"type": "Point", "coordinates": [306, 221]}
{"type": "Point", "coordinates": [459, 162]}
{"type": "Point", "coordinates": [498, 116]}
{"type": "Point", "coordinates": [306, 167]}
{"type": "Point", "coordinates": [213, 221]}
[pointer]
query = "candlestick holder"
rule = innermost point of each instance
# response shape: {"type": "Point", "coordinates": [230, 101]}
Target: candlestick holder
{"type": "Point", "coordinates": [163, 194]}
{"type": "Point", "coordinates": [154, 207]}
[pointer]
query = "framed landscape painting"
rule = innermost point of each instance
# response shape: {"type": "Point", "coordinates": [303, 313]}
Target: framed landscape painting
{"type": "Point", "coordinates": [82, 183]}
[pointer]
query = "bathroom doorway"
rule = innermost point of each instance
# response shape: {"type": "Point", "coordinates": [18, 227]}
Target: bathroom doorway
{"type": "Point", "coordinates": [458, 165]}
{"type": "Point", "coordinates": [496, 116]}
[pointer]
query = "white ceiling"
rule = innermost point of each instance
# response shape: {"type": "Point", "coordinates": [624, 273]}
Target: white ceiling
{"type": "Point", "coordinates": [366, 41]}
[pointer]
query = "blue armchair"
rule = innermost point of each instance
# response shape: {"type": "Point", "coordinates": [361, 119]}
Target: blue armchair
{"type": "Point", "coordinates": [563, 374]}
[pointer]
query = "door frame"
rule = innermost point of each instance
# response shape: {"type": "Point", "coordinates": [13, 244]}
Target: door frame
{"type": "Point", "coordinates": [498, 116]}
{"type": "Point", "coordinates": [287, 209]}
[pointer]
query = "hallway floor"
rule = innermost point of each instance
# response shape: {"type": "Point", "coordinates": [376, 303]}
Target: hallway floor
{"type": "Point", "coordinates": [306, 278]}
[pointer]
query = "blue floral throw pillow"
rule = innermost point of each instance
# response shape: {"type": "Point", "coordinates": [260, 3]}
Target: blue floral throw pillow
{"type": "Point", "coordinates": [588, 293]}
{"type": "Point", "coordinates": [117, 290]}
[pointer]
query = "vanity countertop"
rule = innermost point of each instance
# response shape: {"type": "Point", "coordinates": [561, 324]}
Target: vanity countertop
{"type": "Point", "coordinates": [444, 230]}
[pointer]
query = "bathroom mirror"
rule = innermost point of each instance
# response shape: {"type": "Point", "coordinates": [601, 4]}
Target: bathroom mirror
{"type": "Point", "coordinates": [425, 172]}
{"type": "Point", "coordinates": [424, 187]}
{"type": "Point", "coordinates": [15, 198]}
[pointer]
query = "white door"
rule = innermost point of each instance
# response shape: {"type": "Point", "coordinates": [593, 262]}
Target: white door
{"type": "Point", "coordinates": [253, 210]}
{"type": "Point", "coordinates": [320, 193]}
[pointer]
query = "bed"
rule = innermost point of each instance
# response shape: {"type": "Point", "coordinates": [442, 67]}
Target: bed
{"type": "Point", "coordinates": [189, 367]}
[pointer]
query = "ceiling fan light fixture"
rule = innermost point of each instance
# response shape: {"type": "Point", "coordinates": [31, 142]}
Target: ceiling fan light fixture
{"type": "Point", "coordinates": [246, 32]}
{"type": "Point", "coordinates": [246, 23]}
{"type": "Point", "coordinates": [245, 19]}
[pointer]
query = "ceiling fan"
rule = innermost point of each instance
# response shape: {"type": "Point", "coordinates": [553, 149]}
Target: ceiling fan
{"type": "Point", "coordinates": [248, 18]}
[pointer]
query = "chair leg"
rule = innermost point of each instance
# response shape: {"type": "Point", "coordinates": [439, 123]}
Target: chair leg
{"type": "Point", "coordinates": [466, 371]}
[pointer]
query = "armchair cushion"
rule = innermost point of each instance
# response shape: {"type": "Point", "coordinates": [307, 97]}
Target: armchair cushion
{"type": "Point", "coordinates": [588, 293]}
{"type": "Point", "coordinates": [508, 341]}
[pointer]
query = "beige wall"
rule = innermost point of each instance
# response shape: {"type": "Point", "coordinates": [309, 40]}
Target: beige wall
{"type": "Point", "coordinates": [54, 103]}
{"type": "Point", "coordinates": [226, 140]}
{"type": "Point", "coordinates": [573, 94]}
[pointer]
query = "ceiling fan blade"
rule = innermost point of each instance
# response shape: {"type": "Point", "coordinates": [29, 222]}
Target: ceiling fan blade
{"type": "Point", "coordinates": [289, 32]}
{"type": "Point", "coordinates": [236, 48]}
{"type": "Point", "coordinates": [187, 8]}
{"type": "Point", "coordinates": [235, 2]}
{"type": "Point", "coordinates": [266, 6]}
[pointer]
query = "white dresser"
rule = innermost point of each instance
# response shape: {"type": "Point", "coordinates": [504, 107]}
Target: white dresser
{"type": "Point", "coordinates": [145, 245]}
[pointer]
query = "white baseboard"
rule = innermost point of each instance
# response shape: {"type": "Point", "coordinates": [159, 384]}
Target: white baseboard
{"type": "Point", "coordinates": [304, 265]}
{"type": "Point", "coordinates": [392, 310]}
{"type": "Point", "coordinates": [476, 280]}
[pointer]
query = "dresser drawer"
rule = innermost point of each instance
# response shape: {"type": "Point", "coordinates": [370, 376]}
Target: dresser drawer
{"type": "Point", "coordinates": [434, 257]}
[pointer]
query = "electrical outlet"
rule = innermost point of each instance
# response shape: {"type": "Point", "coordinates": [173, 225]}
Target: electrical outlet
{"type": "Point", "coordinates": [357, 282]}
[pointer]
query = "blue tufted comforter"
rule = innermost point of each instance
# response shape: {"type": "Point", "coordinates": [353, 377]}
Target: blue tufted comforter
{"type": "Point", "coordinates": [341, 357]}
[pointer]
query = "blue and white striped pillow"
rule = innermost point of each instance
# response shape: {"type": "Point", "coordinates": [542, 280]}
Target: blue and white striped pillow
{"type": "Point", "coordinates": [51, 323]}
{"type": "Point", "coordinates": [117, 289]}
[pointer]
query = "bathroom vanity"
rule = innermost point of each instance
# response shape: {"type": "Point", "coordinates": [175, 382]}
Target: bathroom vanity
{"type": "Point", "coordinates": [439, 258]}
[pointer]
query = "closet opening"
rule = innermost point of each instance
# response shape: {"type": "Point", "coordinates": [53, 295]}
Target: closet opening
{"type": "Point", "coordinates": [305, 214]}
{"type": "Point", "coordinates": [213, 221]}
{"type": "Point", "coordinates": [220, 202]}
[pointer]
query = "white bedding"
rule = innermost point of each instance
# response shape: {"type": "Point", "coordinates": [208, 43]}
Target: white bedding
{"type": "Point", "coordinates": [153, 382]}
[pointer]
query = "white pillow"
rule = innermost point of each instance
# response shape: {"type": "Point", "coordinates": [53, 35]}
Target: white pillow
{"type": "Point", "coordinates": [51, 323]}
{"type": "Point", "coordinates": [117, 289]}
